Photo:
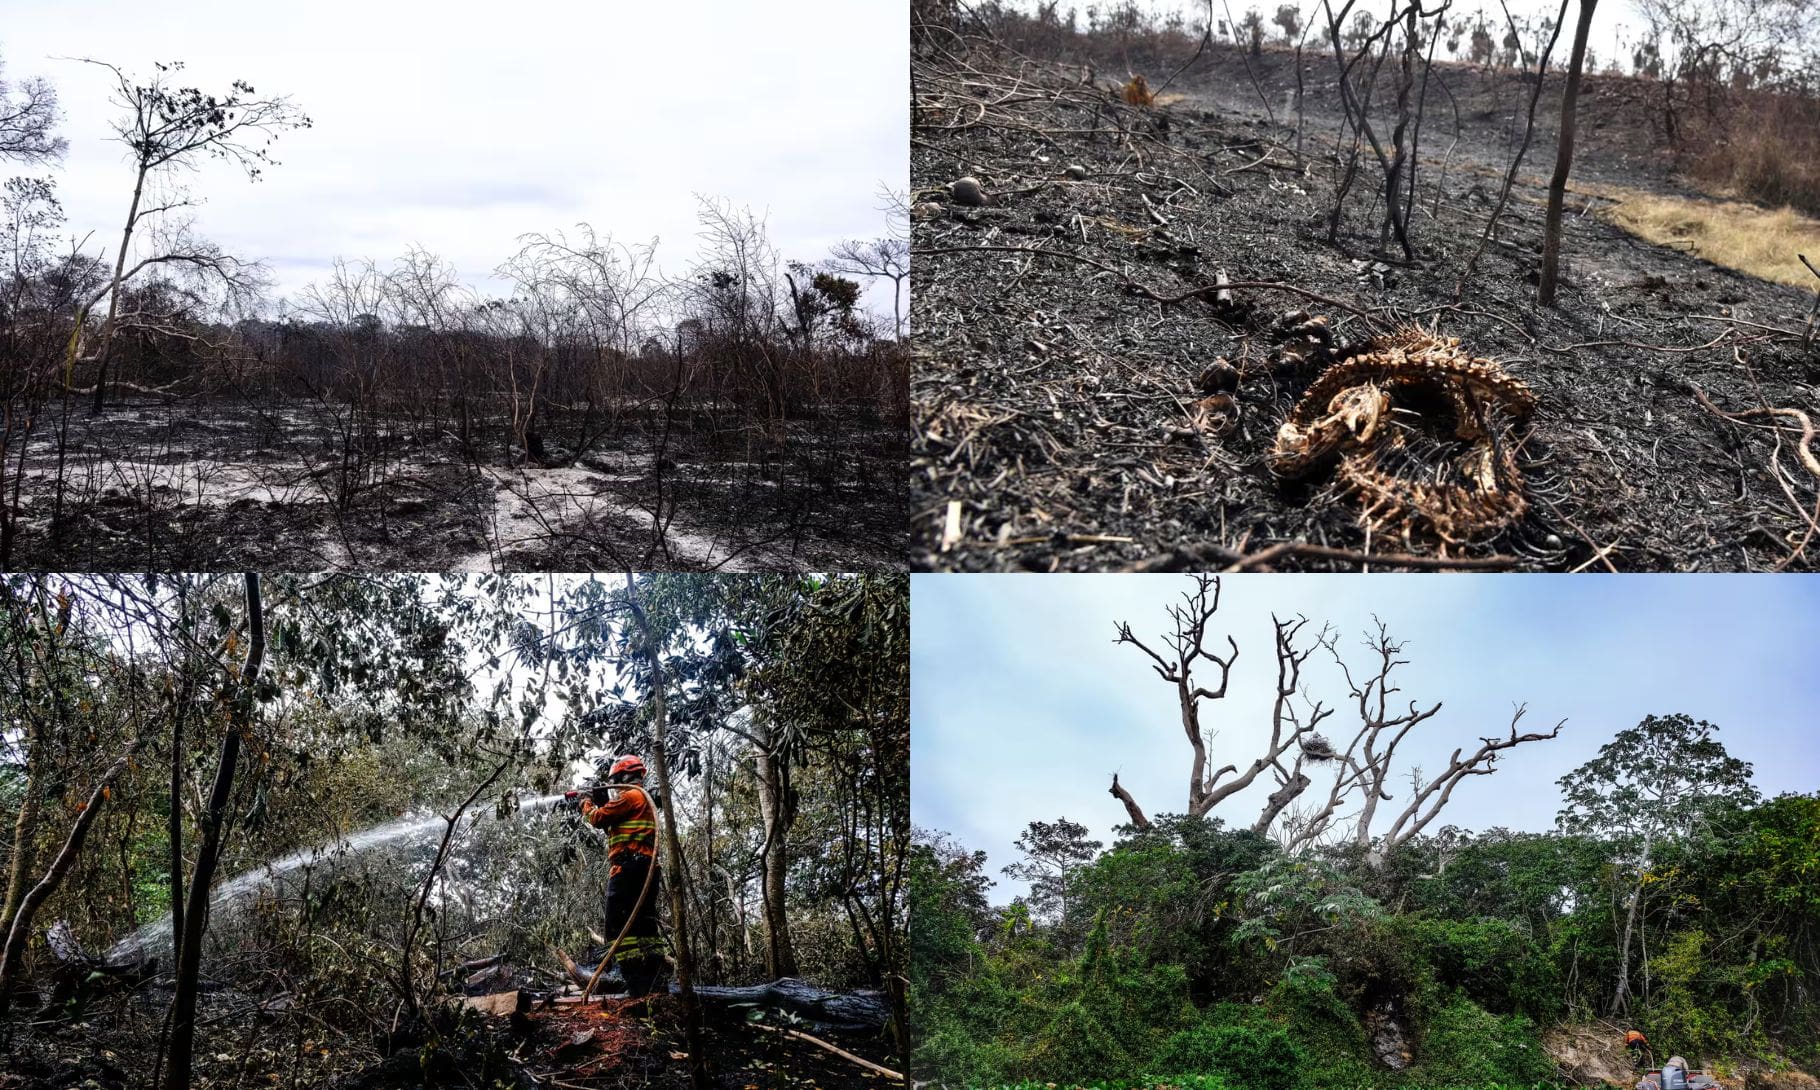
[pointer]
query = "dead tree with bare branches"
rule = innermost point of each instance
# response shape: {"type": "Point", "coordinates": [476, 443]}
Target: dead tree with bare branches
{"type": "Point", "coordinates": [1362, 769]}
{"type": "Point", "coordinates": [167, 127]}
{"type": "Point", "coordinates": [1187, 646]}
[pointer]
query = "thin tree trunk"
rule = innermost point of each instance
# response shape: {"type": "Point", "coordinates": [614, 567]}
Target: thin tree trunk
{"type": "Point", "coordinates": [773, 806]}
{"type": "Point", "coordinates": [25, 839]}
{"type": "Point", "coordinates": [1564, 157]}
{"type": "Point", "coordinates": [208, 851]}
{"type": "Point", "coordinates": [1516, 164]}
{"type": "Point", "coordinates": [1620, 1000]}
{"type": "Point", "coordinates": [176, 817]}
{"type": "Point", "coordinates": [21, 929]}
{"type": "Point", "coordinates": [113, 299]}
{"type": "Point", "coordinates": [699, 1076]}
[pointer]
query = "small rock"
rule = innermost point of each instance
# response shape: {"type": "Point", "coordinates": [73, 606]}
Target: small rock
{"type": "Point", "coordinates": [1219, 377]}
{"type": "Point", "coordinates": [967, 191]}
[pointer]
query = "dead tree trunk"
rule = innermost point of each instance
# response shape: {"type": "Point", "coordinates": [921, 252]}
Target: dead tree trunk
{"type": "Point", "coordinates": [208, 850]}
{"type": "Point", "coordinates": [1364, 766]}
{"type": "Point", "coordinates": [699, 1075]}
{"type": "Point", "coordinates": [1187, 646]}
{"type": "Point", "coordinates": [21, 929]}
{"type": "Point", "coordinates": [1516, 163]}
{"type": "Point", "coordinates": [1564, 157]}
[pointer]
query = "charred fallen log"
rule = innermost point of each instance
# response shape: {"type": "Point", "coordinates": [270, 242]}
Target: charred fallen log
{"type": "Point", "coordinates": [848, 1012]}
{"type": "Point", "coordinates": [841, 1012]}
{"type": "Point", "coordinates": [79, 973]}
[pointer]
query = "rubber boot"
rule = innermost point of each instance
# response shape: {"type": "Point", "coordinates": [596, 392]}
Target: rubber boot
{"type": "Point", "coordinates": [641, 975]}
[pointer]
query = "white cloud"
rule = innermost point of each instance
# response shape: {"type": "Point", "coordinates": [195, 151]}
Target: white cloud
{"type": "Point", "coordinates": [460, 126]}
{"type": "Point", "coordinates": [1023, 706]}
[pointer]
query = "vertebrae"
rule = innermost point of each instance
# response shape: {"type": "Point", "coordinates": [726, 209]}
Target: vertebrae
{"type": "Point", "coordinates": [1420, 435]}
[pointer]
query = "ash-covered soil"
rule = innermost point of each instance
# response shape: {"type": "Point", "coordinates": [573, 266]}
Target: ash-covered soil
{"type": "Point", "coordinates": [1055, 394]}
{"type": "Point", "coordinates": [606, 1045]}
{"type": "Point", "coordinates": [219, 483]}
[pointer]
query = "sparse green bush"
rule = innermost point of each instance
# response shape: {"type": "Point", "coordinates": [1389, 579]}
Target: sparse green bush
{"type": "Point", "coordinates": [1076, 1041]}
{"type": "Point", "coordinates": [1464, 1045]}
{"type": "Point", "coordinates": [1254, 1057]}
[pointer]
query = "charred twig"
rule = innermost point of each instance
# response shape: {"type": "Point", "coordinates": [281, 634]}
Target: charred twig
{"type": "Point", "coordinates": [1190, 558]}
{"type": "Point", "coordinates": [1152, 293]}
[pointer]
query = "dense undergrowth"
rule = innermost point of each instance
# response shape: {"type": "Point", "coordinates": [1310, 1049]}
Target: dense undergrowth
{"type": "Point", "coordinates": [1190, 947]}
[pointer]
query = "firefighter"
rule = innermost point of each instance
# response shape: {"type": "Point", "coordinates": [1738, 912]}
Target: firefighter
{"type": "Point", "coordinates": [629, 819]}
{"type": "Point", "coordinates": [1638, 1047]}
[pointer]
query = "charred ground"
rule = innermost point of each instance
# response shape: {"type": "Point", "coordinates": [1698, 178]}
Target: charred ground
{"type": "Point", "coordinates": [221, 481]}
{"type": "Point", "coordinates": [1055, 393]}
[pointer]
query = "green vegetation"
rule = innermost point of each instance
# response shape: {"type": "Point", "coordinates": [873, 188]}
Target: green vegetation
{"type": "Point", "coordinates": [1669, 898]}
{"type": "Point", "coordinates": [420, 730]}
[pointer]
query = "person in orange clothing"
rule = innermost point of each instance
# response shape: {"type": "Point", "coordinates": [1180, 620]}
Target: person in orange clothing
{"type": "Point", "coordinates": [629, 818]}
{"type": "Point", "coordinates": [1638, 1047]}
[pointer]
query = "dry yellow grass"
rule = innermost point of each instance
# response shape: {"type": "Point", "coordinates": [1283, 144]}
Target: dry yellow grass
{"type": "Point", "coordinates": [1745, 237]}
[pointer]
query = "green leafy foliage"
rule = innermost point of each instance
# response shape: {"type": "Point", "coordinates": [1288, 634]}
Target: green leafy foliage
{"type": "Point", "coordinates": [1247, 1052]}
{"type": "Point", "coordinates": [1465, 1045]}
{"type": "Point", "coordinates": [1190, 952]}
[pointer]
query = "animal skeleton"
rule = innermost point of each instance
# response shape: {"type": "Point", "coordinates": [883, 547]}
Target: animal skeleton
{"type": "Point", "coordinates": [1419, 435]}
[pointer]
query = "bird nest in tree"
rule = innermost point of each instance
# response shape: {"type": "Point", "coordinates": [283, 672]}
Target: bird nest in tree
{"type": "Point", "coordinates": [1317, 748]}
{"type": "Point", "coordinates": [1422, 436]}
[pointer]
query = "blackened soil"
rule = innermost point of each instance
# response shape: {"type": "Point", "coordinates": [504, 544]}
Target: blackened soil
{"type": "Point", "coordinates": [225, 483]}
{"type": "Point", "coordinates": [1053, 395]}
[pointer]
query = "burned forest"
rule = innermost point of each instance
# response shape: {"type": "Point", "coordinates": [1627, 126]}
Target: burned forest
{"type": "Point", "coordinates": [358, 831]}
{"type": "Point", "coordinates": [1413, 287]}
{"type": "Point", "coordinates": [164, 406]}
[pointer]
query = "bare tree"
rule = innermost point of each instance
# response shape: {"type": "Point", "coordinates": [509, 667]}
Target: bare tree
{"type": "Point", "coordinates": [875, 259]}
{"type": "Point", "coordinates": [1516, 162]}
{"type": "Point", "coordinates": [1363, 769]}
{"type": "Point", "coordinates": [166, 127]}
{"type": "Point", "coordinates": [1186, 646]}
{"type": "Point", "coordinates": [1564, 157]}
{"type": "Point", "coordinates": [1365, 766]}
{"type": "Point", "coordinates": [28, 114]}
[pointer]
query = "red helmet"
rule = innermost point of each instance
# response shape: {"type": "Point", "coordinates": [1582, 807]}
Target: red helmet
{"type": "Point", "coordinates": [628, 766]}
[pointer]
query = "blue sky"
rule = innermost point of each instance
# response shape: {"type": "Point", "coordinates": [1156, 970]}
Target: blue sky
{"type": "Point", "coordinates": [462, 125]}
{"type": "Point", "coordinates": [1022, 707]}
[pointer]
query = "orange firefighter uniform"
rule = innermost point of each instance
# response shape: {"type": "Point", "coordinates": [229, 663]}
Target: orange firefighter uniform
{"type": "Point", "coordinates": [630, 821]}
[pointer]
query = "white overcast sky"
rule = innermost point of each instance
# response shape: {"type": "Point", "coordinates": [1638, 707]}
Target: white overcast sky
{"type": "Point", "coordinates": [459, 126]}
{"type": "Point", "coordinates": [1022, 707]}
{"type": "Point", "coordinates": [1614, 21]}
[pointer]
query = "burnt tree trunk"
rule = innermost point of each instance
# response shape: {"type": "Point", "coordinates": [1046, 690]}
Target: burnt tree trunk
{"type": "Point", "coordinates": [20, 931]}
{"type": "Point", "coordinates": [1564, 157]}
{"type": "Point", "coordinates": [208, 850]}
